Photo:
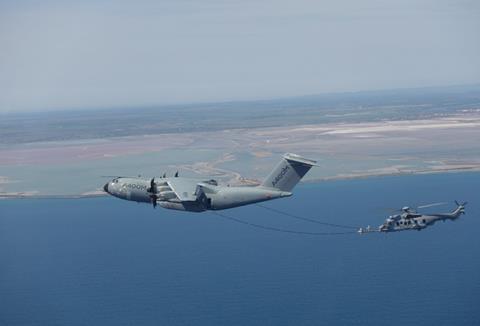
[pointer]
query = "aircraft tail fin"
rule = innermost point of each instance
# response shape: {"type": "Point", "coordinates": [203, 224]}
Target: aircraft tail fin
{"type": "Point", "coordinates": [288, 172]}
{"type": "Point", "coordinates": [460, 208]}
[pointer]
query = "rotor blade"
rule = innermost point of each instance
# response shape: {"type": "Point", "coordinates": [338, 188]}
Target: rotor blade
{"type": "Point", "coordinates": [431, 205]}
{"type": "Point", "coordinates": [388, 210]}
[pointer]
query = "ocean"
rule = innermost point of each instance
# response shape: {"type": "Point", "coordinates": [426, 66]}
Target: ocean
{"type": "Point", "coordinates": [105, 261]}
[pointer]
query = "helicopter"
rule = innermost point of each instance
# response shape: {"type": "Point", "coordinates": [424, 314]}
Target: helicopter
{"type": "Point", "coordinates": [410, 219]}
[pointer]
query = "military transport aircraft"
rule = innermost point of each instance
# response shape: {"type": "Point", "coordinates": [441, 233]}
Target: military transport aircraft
{"type": "Point", "coordinates": [411, 220]}
{"type": "Point", "coordinates": [195, 195]}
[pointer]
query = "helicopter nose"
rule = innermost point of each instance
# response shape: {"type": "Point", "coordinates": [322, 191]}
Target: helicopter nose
{"type": "Point", "coordinates": [105, 187]}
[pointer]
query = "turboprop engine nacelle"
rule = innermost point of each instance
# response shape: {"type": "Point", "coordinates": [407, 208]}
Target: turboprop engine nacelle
{"type": "Point", "coordinates": [166, 195]}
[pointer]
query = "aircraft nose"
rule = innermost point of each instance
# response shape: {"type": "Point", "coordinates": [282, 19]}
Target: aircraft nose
{"type": "Point", "coordinates": [105, 187]}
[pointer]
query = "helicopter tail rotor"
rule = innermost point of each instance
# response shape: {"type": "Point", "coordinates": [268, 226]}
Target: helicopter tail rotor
{"type": "Point", "coordinates": [462, 204]}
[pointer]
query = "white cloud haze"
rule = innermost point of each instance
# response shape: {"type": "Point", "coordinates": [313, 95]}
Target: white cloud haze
{"type": "Point", "coordinates": [75, 54]}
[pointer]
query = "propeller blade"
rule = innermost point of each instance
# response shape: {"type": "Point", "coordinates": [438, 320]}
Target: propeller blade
{"type": "Point", "coordinates": [154, 200]}
{"type": "Point", "coordinates": [456, 202]}
{"type": "Point", "coordinates": [152, 188]}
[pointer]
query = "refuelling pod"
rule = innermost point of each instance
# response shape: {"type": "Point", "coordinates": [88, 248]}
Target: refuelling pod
{"type": "Point", "coordinates": [185, 206]}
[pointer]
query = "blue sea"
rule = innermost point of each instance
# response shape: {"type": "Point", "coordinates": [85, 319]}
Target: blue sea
{"type": "Point", "coordinates": [106, 261]}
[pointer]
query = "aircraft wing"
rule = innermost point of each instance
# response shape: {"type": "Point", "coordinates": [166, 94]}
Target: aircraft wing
{"type": "Point", "coordinates": [183, 188]}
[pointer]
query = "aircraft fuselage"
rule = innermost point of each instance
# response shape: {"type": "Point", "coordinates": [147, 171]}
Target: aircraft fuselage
{"type": "Point", "coordinates": [222, 197]}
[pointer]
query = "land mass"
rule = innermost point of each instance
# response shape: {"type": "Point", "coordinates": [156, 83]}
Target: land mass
{"type": "Point", "coordinates": [351, 135]}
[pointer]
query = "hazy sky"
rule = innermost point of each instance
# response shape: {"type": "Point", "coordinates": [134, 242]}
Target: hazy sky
{"type": "Point", "coordinates": [74, 54]}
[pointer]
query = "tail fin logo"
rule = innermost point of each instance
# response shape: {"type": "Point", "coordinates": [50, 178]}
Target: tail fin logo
{"type": "Point", "coordinates": [280, 175]}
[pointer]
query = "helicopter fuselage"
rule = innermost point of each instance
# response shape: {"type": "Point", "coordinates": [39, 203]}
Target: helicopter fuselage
{"type": "Point", "coordinates": [409, 221]}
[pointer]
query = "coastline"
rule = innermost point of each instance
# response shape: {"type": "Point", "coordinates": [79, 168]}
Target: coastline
{"type": "Point", "coordinates": [342, 177]}
{"type": "Point", "coordinates": [400, 173]}
{"type": "Point", "coordinates": [344, 150]}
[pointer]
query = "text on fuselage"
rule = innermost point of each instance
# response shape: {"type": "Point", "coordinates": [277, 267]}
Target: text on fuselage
{"type": "Point", "coordinates": [280, 175]}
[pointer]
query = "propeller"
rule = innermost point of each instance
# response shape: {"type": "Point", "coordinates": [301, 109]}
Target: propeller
{"type": "Point", "coordinates": [154, 200]}
{"type": "Point", "coordinates": [151, 189]}
{"type": "Point", "coordinates": [153, 192]}
{"type": "Point", "coordinates": [176, 174]}
{"type": "Point", "coordinates": [462, 204]}
{"type": "Point", "coordinates": [201, 197]}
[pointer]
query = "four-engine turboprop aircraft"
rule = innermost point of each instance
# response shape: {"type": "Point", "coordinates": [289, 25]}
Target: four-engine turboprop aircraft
{"type": "Point", "coordinates": [195, 195]}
